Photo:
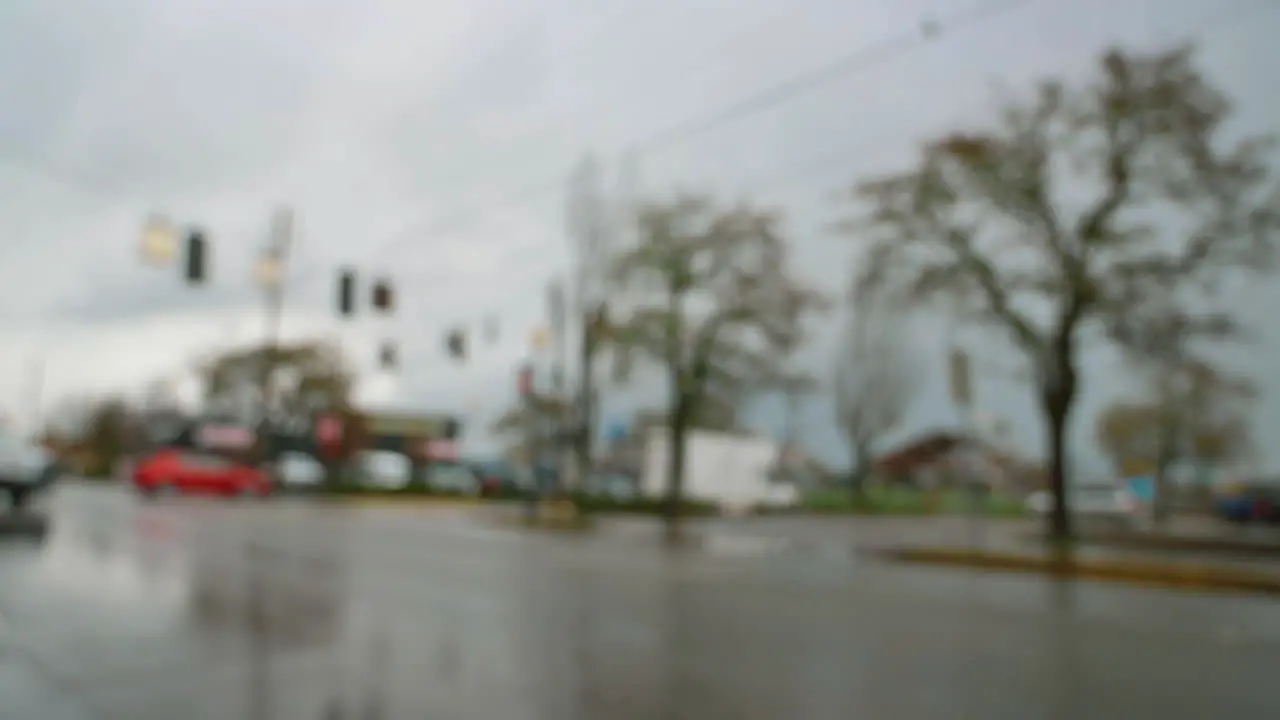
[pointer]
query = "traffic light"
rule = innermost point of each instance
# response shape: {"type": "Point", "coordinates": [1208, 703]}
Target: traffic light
{"type": "Point", "coordinates": [347, 293]}
{"type": "Point", "coordinates": [383, 299]}
{"type": "Point", "coordinates": [451, 429]}
{"type": "Point", "coordinates": [388, 357]}
{"type": "Point", "coordinates": [456, 343]}
{"type": "Point", "coordinates": [197, 270]}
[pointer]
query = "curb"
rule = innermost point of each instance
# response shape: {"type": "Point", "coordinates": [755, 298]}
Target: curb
{"type": "Point", "coordinates": [566, 525]}
{"type": "Point", "coordinates": [405, 502]}
{"type": "Point", "coordinates": [551, 515]}
{"type": "Point", "coordinates": [24, 525]}
{"type": "Point", "coordinates": [1174, 543]}
{"type": "Point", "coordinates": [1168, 575]}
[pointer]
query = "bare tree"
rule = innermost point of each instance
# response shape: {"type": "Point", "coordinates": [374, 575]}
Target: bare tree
{"type": "Point", "coordinates": [876, 378]}
{"type": "Point", "coordinates": [1072, 213]}
{"type": "Point", "coordinates": [711, 300]}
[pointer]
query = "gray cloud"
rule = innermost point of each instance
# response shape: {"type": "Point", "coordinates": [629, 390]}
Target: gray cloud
{"type": "Point", "coordinates": [368, 116]}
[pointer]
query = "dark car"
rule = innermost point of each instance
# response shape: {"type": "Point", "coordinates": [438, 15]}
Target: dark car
{"type": "Point", "coordinates": [26, 469]}
{"type": "Point", "coordinates": [1250, 502]}
{"type": "Point", "coordinates": [497, 477]}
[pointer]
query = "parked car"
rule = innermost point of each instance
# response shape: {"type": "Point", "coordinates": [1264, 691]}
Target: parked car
{"type": "Point", "coordinates": [454, 478]}
{"type": "Point", "coordinates": [1249, 502]}
{"type": "Point", "coordinates": [1103, 503]}
{"type": "Point", "coordinates": [384, 469]}
{"type": "Point", "coordinates": [496, 477]}
{"type": "Point", "coordinates": [26, 469]}
{"type": "Point", "coordinates": [617, 487]}
{"type": "Point", "coordinates": [181, 471]}
{"type": "Point", "coordinates": [298, 471]}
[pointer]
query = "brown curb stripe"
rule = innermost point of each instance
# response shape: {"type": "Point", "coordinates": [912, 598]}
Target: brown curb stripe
{"type": "Point", "coordinates": [1192, 577]}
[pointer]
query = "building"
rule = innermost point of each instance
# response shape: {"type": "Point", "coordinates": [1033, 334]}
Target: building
{"type": "Point", "coordinates": [951, 458]}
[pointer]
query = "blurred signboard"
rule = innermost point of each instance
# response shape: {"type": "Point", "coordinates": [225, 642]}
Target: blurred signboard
{"type": "Point", "coordinates": [406, 424]}
{"type": "Point", "coordinates": [1143, 489]}
{"type": "Point", "coordinates": [225, 437]}
{"type": "Point", "coordinates": [440, 450]}
{"type": "Point", "coordinates": [329, 429]}
{"type": "Point", "coordinates": [616, 432]}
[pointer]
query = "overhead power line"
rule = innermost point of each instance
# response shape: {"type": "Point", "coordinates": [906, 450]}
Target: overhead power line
{"type": "Point", "coordinates": [860, 60]}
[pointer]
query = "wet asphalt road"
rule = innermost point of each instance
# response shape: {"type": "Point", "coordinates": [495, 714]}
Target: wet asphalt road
{"type": "Point", "coordinates": [211, 609]}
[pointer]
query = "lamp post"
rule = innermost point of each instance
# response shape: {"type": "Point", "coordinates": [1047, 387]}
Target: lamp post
{"type": "Point", "coordinates": [269, 272]}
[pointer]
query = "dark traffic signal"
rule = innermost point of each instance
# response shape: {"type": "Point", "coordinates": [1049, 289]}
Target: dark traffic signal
{"type": "Point", "coordinates": [197, 267]}
{"type": "Point", "coordinates": [347, 293]}
{"type": "Point", "coordinates": [388, 358]}
{"type": "Point", "coordinates": [452, 429]}
{"type": "Point", "coordinates": [383, 297]}
{"type": "Point", "coordinates": [456, 342]}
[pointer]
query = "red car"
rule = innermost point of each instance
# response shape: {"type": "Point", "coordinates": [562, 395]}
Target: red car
{"type": "Point", "coordinates": [170, 472]}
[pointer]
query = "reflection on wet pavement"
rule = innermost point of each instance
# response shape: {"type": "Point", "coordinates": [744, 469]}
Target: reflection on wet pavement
{"type": "Point", "coordinates": [286, 610]}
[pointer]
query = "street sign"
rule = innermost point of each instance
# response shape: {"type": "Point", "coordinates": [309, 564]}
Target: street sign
{"type": "Point", "coordinates": [409, 425]}
{"type": "Point", "coordinates": [616, 432]}
{"type": "Point", "coordinates": [441, 450]}
{"type": "Point", "coordinates": [225, 437]}
{"type": "Point", "coordinates": [269, 270]}
{"type": "Point", "coordinates": [159, 241]}
{"type": "Point", "coordinates": [328, 429]}
{"type": "Point", "coordinates": [539, 339]}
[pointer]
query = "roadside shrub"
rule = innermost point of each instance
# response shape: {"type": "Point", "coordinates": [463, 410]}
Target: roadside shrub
{"type": "Point", "coordinates": [902, 501]}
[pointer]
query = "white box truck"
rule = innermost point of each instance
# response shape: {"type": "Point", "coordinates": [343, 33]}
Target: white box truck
{"type": "Point", "coordinates": [732, 471]}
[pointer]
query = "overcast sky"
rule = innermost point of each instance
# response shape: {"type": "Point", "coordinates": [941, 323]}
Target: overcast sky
{"type": "Point", "coordinates": [401, 131]}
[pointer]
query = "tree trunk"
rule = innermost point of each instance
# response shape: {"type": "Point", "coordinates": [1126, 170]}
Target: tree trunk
{"type": "Point", "coordinates": [1059, 390]}
{"type": "Point", "coordinates": [587, 415]}
{"type": "Point", "coordinates": [1160, 502]}
{"type": "Point", "coordinates": [859, 474]}
{"type": "Point", "coordinates": [1060, 516]}
{"type": "Point", "coordinates": [675, 465]}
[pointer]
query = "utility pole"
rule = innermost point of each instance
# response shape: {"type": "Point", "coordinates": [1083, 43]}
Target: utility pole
{"type": "Point", "coordinates": [587, 218]}
{"type": "Point", "coordinates": [531, 429]}
{"type": "Point", "coordinates": [558, 321]}
{"type": "Point", "coordinates": [271, 276]}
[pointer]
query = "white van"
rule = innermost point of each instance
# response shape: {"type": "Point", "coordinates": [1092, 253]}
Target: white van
{"type": "Point", "coordinates": [383, 469]}
{"type": "Point", "coordinates": [26, 469]}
